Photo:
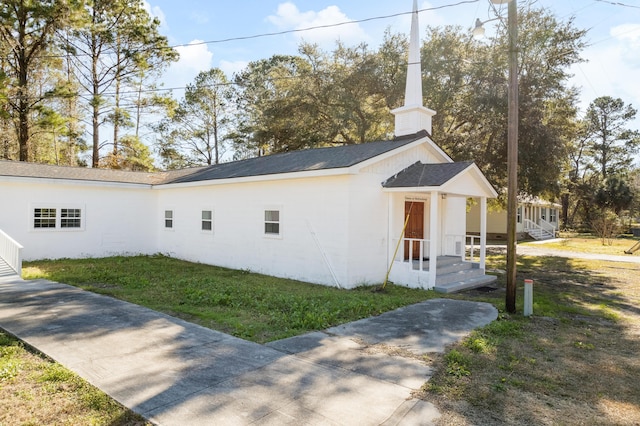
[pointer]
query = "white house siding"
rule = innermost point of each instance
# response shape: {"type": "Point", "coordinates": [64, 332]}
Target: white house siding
{"type": "Point", "coordinates": [396, 163]}
{"type": "Point", "coordinates": [454, 223]}
{"type": "Point", "coordinates": [368, 222]}
{"type": "Point", "coordinates": [115, 218]}
{"type": "Point", "coordinates": [313, 227]}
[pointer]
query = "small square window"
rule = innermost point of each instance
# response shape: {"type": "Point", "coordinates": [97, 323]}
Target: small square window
{"type": "Point", "coordinates": [272, 222]}
{"type": "Point", "coordinates": [168, 218]}
{"type": "Point", "coordinates": [207, 220]}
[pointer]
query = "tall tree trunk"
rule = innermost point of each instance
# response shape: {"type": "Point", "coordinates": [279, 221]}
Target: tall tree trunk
{"type": "Point", "coordinates": [23, 93]}
{"type": "Point", "coordinates": [95, 103]}
{"type": "Point", "coordinates": [565, 210]}
{"type": "Point", "coordinates": [116, 109]}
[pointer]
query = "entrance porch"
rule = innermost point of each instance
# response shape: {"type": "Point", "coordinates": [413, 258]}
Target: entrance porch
{"type": "Point", "coordinates": [428, 242]}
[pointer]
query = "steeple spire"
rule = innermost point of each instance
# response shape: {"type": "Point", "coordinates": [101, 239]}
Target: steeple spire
{"type": "Point", "coordinates": [413, 116]}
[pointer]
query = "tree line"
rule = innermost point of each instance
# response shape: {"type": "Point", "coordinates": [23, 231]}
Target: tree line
{"type": "Point", "coordinates": [71, 68]}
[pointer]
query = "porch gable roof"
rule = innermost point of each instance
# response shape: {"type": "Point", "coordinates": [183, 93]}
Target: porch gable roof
{"type": "Point", "coordinates": [419, 174]}
{"type": "Point", "coordinates": [463, 178]}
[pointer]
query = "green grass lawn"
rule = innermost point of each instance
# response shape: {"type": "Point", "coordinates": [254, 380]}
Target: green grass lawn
{"type": "Point", "coordinates": [574, 362]}
{"type": "Point", "coordinates": [575, 359]}
{"type": "Point", "coordinates": [37, 391]}
{"type": "Point", "coordinates": [247, 305]}
{"type": "Point", "coordinates": [590, 245]}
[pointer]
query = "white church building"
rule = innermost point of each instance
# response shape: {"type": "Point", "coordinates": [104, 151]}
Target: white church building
{"type": "Point", "coordinates": [342, 216]}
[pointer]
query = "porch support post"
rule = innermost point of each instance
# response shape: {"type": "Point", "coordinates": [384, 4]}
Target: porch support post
{"type": "Point", "coordinates": [483, 231]}
{"type": "Point", "coordinates": [434, 236]}
{"type": "Point", "coordinates": [390, 245]}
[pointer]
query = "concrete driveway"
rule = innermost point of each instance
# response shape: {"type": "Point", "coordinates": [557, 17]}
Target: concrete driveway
{"type": "Point", "coordinates": [175, 373]}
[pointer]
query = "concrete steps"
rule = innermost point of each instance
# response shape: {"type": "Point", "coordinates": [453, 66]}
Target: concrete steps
{"type": "Point", "coordinates": [475, 282]}
{"type": "Point", "coordinates": [540, 234]}
{"type": "Point", "coordinates": [454, 275]}
{"type": "Point", "coordinates": [6, 272]}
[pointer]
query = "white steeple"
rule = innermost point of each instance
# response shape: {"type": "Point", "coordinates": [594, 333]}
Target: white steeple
{"type": "Point", "coordinates": [413, 116]}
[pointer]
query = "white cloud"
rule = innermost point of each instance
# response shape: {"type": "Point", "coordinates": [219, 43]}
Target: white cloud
{"type": "Point", "coordinates": [230, 68]}
{"type": "Point", "coordinates": [194, 58]}
{"type": "Point", "coordinates": [156, 12]}
{"type": "Point", "coordinates": [628, 38]}
{"type": "Point", "coordinates": [289, 17]}
{"type": "Point", "coordinates": [608, 72]}
{"type": "Point", "coordinates": [627, 32]}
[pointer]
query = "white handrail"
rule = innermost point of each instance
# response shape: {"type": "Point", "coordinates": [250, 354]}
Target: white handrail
{"type": "Point", "coordinates": [547, 226]}
{"type": "Point", "coordinates": [11, 252]}
{"type": "Point", "coordinates": [424, 250]}
{"type": "Point", "coordinates": [544, 226]}
{"type": "Point", "coordinates": [472, 245]}
{"type": "Point", "coordinates": [456, 245]}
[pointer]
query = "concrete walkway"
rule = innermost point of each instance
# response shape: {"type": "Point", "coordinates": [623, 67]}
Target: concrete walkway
{"type": "Point", "coordinates": [177, 373]}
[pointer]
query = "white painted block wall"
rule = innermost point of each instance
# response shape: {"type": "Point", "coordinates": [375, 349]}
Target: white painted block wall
{"type": "Point", "coordinates": [312, 245]}
{"type": "Point", "coordinates": [116, 219]}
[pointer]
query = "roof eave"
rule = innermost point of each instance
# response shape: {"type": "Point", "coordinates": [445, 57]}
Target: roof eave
{"type": "Point", "coordinates": [83, 182]}
{"type": "Point", "coordinates": [260, 178]}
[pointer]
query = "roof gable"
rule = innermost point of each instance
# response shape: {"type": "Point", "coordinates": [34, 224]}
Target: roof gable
{"type": "Point", "coordinates": [463, 178]}
{"type": "Point", "coordinates": [419, 174]}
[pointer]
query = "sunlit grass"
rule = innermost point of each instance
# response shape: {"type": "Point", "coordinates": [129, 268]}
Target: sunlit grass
{"type": "Point", "coordinates": [589, 245]}
{"type": "Point", "coordinates": [251, 306]}
{"type": "Point", "coordinates": [37, 391]}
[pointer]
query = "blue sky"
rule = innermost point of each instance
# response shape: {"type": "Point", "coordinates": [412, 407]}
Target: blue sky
{"type": "Point", "coordinates": [613, 66]}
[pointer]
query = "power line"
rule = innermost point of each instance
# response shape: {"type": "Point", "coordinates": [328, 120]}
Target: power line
{"type": "Point", "coordinates": [317, 27]}
{"type": "Point", "coordinates": [616, 3]}
{"type": "Point", "coordinates": [294, 31]}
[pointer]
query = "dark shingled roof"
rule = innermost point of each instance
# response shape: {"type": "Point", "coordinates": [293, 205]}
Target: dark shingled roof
{"type": "Point", "coordinates": [295, 161]}
{"type": "Point", "coordinates": [299, 161]}
{"type": "Point", "coordinates": [48, 171]}
{"type": "Point", "coordinates": [419, 174]}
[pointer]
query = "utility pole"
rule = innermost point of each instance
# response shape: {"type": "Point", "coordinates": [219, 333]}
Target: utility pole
{"type": "Point", "coordinates": [512, 156]}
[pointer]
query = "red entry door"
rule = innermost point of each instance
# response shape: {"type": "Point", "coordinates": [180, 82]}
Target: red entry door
{"type": "Point", "coordinates": [415, 227]}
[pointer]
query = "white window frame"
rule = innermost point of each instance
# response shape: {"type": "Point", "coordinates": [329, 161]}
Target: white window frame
{"type": "Point", "coordinates": [57, 218]}
{"type": "Point", "coordinates": [553, 215]}
{"type": "Point", "coordinates": [278, 222]}
{"type": "Point", "coordinates": [210, 220]}
{"type": "Point", "coordinates": [519, 214]}
{"type": "Point", "coordinates": [165, 219]}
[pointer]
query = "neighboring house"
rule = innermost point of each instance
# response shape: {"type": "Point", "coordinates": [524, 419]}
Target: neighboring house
{"type": "Point", "coordinates": [535, 218]}
{"type": "Point", "coordinates": [332, 216]}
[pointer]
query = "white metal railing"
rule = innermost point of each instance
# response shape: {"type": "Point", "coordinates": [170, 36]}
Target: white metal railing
{"type": "Point", "coordinates": [11, 252]}
{"type": "Point", "coordinates": [544, 226]}
{"type": "Point", "coordinates": [470, 250]}
{"type": "Point", "coordinates": [547, 226]}
{"type": "Point", "coordinates": [423, 250]}
{"type": "Point", "coordinates": [466, 246]}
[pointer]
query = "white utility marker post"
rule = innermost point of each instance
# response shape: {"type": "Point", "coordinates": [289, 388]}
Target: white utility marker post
{"type": "Point", "coordinates": [528, 298]}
